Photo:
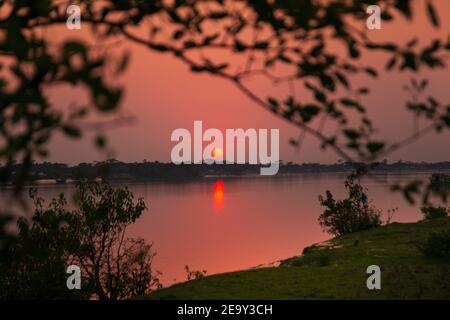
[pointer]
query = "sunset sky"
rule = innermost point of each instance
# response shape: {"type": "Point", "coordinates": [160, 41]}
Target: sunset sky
{"type": "Point", "coordinates": [164, 95]}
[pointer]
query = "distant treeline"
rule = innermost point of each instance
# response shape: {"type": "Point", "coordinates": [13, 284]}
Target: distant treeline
{"type": "Point", "coordinates": [114, 170]}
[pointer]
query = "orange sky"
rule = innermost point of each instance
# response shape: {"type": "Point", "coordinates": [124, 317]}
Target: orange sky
{"type": "Point", "coordinates": [164, 95]}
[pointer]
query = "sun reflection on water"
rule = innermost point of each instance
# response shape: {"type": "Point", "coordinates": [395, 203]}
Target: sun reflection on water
{"type": "Point", "coordinates": [219, 195]}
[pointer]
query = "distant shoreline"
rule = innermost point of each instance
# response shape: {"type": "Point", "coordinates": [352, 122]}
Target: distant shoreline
{"type": "Point", "coordinates": [114, 171]}
{"type": "Point", "coordinates": [71, 182]}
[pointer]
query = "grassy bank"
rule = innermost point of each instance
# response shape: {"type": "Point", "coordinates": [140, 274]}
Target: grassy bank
{"type": "Point", "coordinates": [337, 270]}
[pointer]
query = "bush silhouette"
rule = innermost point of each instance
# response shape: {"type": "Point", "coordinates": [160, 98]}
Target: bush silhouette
{"type": "Point", "coordinates": [348, 215]}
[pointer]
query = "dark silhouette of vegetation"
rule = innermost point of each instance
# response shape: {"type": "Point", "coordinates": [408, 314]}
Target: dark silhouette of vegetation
{"type": "Point", "coordinates": [34, 266]}
{"type": "Point", "coordinates": [432, 212]}
{"type": "Point", "coordinates": [194, 274]}
{"type": "Point", "coordinates": [355, 213]}
{"type": "Point", "coordinates": [91, 236]}
{"type": "Point", "coordinates": [438, 245]}
{"type": "Point", "coordinates": [116, 267]}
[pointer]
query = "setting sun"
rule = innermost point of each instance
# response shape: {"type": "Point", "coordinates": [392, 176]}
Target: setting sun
{"type": "Point", "coordinates": [217, 153]}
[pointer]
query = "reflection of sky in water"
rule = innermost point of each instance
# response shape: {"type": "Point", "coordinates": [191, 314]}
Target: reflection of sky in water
{"type": "Point", "coordinates": [263, 219]}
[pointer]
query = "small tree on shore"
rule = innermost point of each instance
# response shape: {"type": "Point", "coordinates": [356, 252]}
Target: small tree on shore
{"type": "Point", "coordinates": [349, 215]}
{"type": "Point", "coordinates": [91, 236]}
{"type": "Point", "coordinates": [115, 267]}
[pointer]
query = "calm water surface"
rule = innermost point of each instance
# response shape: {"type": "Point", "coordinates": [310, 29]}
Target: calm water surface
{"type": "Point", "coordinates": [230, 224]}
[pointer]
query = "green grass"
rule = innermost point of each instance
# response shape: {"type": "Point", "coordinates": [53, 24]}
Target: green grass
{"type": "Point", "coordinates": [338, 272]}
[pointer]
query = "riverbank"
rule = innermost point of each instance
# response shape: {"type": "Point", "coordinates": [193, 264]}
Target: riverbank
{"type": "Point", "coordinates": [336, 269]}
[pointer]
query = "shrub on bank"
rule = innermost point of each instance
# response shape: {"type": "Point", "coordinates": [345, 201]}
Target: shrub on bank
{"type": "Point", "coordinates": [438, 245]}
{"type": "Point", "coordinates": [352, 214]}
{"type": "Point", "coordinates": [431, 212]}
